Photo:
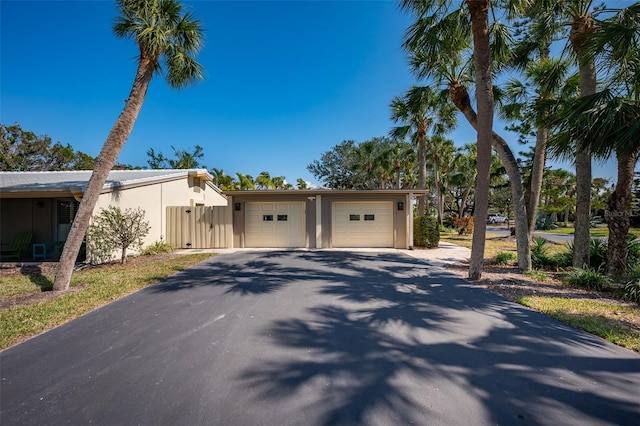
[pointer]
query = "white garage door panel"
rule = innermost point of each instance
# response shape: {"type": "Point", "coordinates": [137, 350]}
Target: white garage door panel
{"type": "Point", "coordinates": [275, 224]}
{"type": "Point", "coordinates": [362, 224]}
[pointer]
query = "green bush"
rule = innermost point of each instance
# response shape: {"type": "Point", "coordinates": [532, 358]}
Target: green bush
{"type": "Point", "coordinates": [598, 253]}
{"type": "Point", "coordinates": [589, 278]}
{"type": "Point", "coordinates": [115, 229]}
{"type": "Point", "coordinates": [157, 247]}
{"type": "Point", "coordinates": [539, 254]}
{"type": "Point", "coordinates": [504, 257]}
{"type": "Point", "coordinates": [426, 232]}
{"type": "Point", "coordinates": [631, 290]}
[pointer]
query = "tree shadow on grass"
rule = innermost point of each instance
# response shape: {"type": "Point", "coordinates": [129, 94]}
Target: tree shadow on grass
{"type": "Point", "coordinates": [34, 272]}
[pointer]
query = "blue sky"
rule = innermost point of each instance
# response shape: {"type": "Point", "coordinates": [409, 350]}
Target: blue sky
{"type": "Point", "coordinates": [285, 81]}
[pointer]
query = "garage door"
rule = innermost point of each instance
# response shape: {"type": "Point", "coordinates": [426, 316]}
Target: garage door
{"type": "Point", "coordinates": [275, 224]}
{"type": "Point", "coordinates": [362, 224]}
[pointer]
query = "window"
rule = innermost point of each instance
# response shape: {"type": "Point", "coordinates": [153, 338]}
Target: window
{"type": "Point", "coordinates": [354, 217]}
{"type": "Point", "coordinates": [282, 218]}
{"type": "Point", "coordinates": [267, 218]}
{"type": "Point", "coordinates": [369, 217]}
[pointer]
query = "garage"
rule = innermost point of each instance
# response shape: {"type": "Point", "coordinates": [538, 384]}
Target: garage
{"type": "Point", "coordinates": [275, 224]}
{"type": "Point", "coordinates": [362, 224]}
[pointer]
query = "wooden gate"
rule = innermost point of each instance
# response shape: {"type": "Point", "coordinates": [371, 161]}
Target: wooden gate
{"type": "Point", "coordinates": [199, 227]}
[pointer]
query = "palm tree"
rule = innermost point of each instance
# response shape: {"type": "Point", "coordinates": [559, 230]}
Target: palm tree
{"type": "Point", "coordinates": [545, 79]}
{"type": "Point", "coordinates": [439, 47]}
{"type": "Point", "coordinates": [245, 182]}
{"type": "Point", "coordinates": [607, 122]}
{"type": "Point", "coordinates": [264, 181]}
{"type": "Point", "coordinates": [421, 110]}
{"type": "Point", "coordinates": [161, 31]}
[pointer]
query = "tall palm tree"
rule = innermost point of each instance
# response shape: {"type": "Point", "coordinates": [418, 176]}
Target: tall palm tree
{"type": "Point", "coordinates": [421, 110]}
{"type": "Point", "coordinates": [439, 46]}
{"type": "Point", "coordinates": [606, 122]}
{"type": "Point", "coordinates": [161, 31]}
{"type": "Point", "coordinates": [545, 79]}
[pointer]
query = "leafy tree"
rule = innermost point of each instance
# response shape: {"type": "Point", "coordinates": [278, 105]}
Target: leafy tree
{"type": "Point", "coordinates": [116, 229]}
{"type": "Point", "coordinates": [336, 169]}
{"type": "Point", "coordinates": [161, 31]}
{"type": "Point", "coordinates": [22, 150]}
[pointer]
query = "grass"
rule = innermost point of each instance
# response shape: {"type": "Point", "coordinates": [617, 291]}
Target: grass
{"type": "Point", "coordinates": [94, 288]}
{"type": "Point", "coordinates": [600, 231]}
{"type": "Point", "coordinates": [611, 321]}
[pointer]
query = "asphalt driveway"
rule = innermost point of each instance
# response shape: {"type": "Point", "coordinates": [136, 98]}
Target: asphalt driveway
{"type": "Point", "coordinates": [317, 338]}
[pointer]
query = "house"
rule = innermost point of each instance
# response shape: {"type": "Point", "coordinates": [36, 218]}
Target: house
{"type": "Point", "coordinates": [45, 202]}
{"type": "Point", "coordinates": [184, 208]}
{"type": "Point", "coordinates": [323, 218]}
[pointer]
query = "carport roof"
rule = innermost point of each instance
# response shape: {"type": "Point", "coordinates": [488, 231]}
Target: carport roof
{"type": "Point", "coordinates": [53, 183]}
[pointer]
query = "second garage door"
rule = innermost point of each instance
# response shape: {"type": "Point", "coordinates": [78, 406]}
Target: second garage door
{"type": "Point", "coordinates": [362, 224]}
{"type": "Point", "coordinates": [275, 224]}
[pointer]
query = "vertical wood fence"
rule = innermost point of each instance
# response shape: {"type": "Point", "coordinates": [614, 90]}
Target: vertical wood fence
{"type": "Point", "coordinates": [199, 227]}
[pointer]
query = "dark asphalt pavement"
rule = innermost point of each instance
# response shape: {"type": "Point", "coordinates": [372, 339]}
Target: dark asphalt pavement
{"type": "Point", "coordinates": [317, 338]}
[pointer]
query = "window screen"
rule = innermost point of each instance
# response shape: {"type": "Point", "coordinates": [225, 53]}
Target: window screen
{"type": "Point", "coordinates": [369, 217]}
{"type": "Point", "coordinates": [354, 217]}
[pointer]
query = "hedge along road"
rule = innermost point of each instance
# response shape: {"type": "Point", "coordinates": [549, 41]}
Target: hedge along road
{"type": "Point", "coordinates": [317, 338]}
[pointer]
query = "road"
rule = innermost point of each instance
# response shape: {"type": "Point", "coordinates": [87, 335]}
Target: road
{"type": "Point", "coordinates": [317, 338]}
{"type": "Point", "coordinates": [502, 230]}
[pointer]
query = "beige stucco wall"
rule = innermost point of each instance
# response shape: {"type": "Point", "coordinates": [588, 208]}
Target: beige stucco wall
{"type": "Point", "coordinates": [154, 200]}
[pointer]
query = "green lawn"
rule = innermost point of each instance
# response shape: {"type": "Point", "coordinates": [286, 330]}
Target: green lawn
{"type": "Point", "coordinates": [601, 231]}
{"type": "Point", "coordinates": [93, 288]}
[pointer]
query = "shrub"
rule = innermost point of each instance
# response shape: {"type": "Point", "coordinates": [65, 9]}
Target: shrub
{"type": "Point", "coordinates": [589, 278]}
{"type": "Point", "coordinates": [115, 229]}
{"type": "Point", "coordinates": [631, 290]}
{"type": "Point", "coordinates": [157, 247]}
{"type": "Point", "coordinates": [563, 259]}
{"type": "Point", "coordinates": [504, 257]}
{"type": "Point", "coordinates": [464, 225]}
{"type": "Point", "coordinates": [426, 231]}
{"type": "Point", "coordinates": [539, 256]}
{"type": "Point", "coordinates": [597, 253]}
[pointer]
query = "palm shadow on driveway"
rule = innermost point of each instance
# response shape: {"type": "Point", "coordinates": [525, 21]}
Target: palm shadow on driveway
{"type": "Point", "coordinates": [396, 331]}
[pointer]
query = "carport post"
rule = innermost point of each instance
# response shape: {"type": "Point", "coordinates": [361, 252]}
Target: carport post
{"type": "Point", "coordinates": [409, 211]}
{"type": "Point", "coordinates": [318, 221]}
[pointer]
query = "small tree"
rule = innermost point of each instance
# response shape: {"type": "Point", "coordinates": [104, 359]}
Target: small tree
{"type": "Point", "coordinates": [115, 229]}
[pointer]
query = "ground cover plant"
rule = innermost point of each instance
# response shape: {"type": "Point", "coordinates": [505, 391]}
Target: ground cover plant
{"type": "Point", "coordinates": [27, 307]}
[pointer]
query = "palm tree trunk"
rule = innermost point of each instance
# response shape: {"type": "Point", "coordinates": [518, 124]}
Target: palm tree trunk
{"type": "Point", "coordinates": [422, 173]}
{"type": "Point", "coordinates": [113, 145]}
{"type": "Point", "coordinates": [436, 178]}
{"type": "Point", "coordinates": [537, 172]}
{"type": "Point", "coordinates": [579, 30]}
{"type": "Point", "coordinates": [617, 214]}
{"type": "Point", "coordinates": [460, 97]}
{"type": "Point", "coordinates": [479, 10]}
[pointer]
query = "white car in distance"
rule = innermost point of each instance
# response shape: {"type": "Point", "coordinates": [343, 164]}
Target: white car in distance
{"type": "Point", "coordinates": [497, 218]}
